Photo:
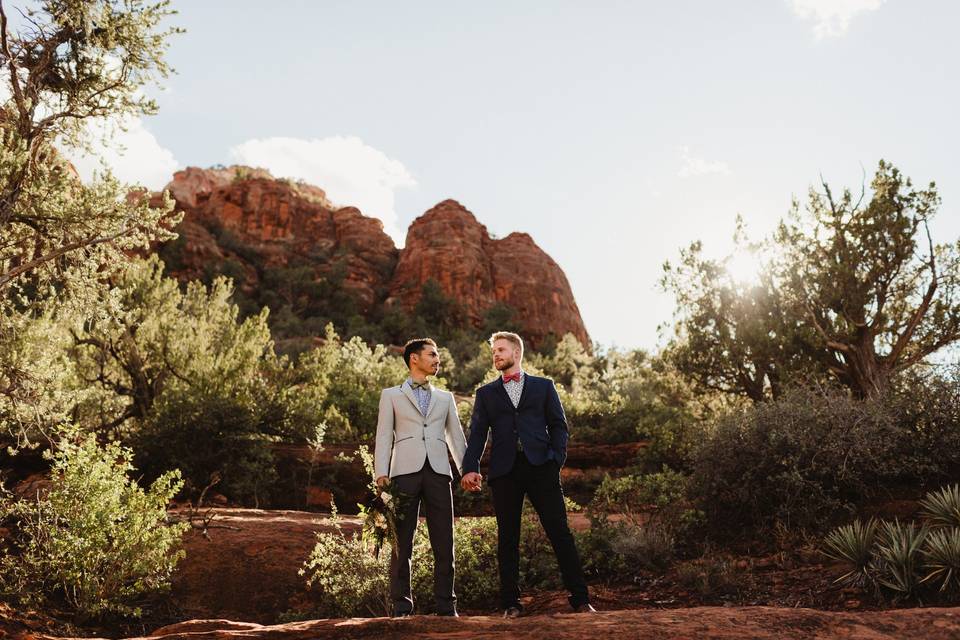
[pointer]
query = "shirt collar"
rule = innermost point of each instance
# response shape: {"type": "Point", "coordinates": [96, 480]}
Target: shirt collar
{"type": "Point", "coordinates": [409, 382]}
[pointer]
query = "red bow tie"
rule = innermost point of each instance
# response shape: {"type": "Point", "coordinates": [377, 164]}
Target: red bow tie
{"type": "Point", "coordinates": [515, 377]}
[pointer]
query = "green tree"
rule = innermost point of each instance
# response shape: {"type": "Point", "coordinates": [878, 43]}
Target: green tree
{"type": "Point", "coordinates": [868, 281]}
{"type": "Point", "coordinates": [72, 62]}
{"type": "Point", "coordinates": [855, 292]}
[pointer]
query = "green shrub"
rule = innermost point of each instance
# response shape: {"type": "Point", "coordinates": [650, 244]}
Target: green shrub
{"type": "Point", "coordinates": [853, 545]}
{"type": "Point", "coordinates": [347, 578]}
{"type": "Point", "coordinates": [637, 521]}
{"type": "Point", "coordinates": [654, 499]}
{"type": "Point", "coordinates": [349, 581]}
{"type": "Point", "coordinates": [715, 576]}
{"type": "Point", "coordinates": [475, 548]}
{"type": "Point", "coordinates": [941, 555]}
{"type": "Point", "coordinates": [96, 542]}
{"type": "Point", "coordinates": [898, 556]}
{"type": "Point", "coordinates": [802, 460]}
{"type": "Point", "coordinates": [209, 436]}
{"type": "Point", "coordinates": [942, 508]}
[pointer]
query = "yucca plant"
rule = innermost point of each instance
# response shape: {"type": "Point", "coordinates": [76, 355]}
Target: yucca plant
{"type": "Point", "coordinates": [942, 557]}
{"type": "Point", "coordinates": [853, 545]}
{"type": "Point", "coordinates": [942, 508]}
{"type": "Point", "coordinates": [897, 557]}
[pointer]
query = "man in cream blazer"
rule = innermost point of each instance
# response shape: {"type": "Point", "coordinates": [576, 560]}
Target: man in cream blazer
{"type": "Point", "coordinates": [418, 424]}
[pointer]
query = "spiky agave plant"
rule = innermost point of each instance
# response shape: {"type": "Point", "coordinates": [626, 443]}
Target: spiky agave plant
{"type": "Point", "coordinates": [853, 545]}
{"type": "Point", "coordinates": [897, 556]}
{"type": "Point", "coordinates": [942, 558]}
{"type": "Point", "coordinates": [942, 508]}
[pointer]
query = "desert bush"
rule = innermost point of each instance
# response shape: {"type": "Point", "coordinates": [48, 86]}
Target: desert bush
{"type": "Point", "coordinates": [347, 578]}
{"type": "Point", "coordinates": [803, 460]}
{"type": "Point", "coordinates": [653, 499]}
{"type": "Point", "coordinates": [209, 436]}
{"type": "Point", "coordinates": [477, 582]}
{"type": "Point", "coordinates": [96, 542]}
{"type": "Point", "coordinates": [637, 522]}
{"type": "Point", "coordinates": [853, 545]}
{"type": "Point", "coordinates": [941, 558]}
{"type": "Point", "coordinates": [716, 577]}
{"type": "Point", "coordinates": [898, 556]}
{"type": "Point", "coordinates": [941, 508]}
{"type": "Point", "coordinates": [927, 408]}
{"type": "Point", "coordinates": [899, 559]}
{"type": "Point", "coordinates": [349, 581]}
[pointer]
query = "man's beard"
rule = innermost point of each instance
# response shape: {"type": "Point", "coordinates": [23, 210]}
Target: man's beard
{"type": "Point", "coordinates": [504, 364]}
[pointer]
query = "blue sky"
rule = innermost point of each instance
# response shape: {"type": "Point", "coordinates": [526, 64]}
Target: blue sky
{"type": "Point", "coordinates": [614, 133]}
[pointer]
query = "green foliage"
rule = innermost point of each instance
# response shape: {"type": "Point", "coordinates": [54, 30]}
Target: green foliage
{"type": "Point", "coordinates": [853, 545]}
{"type": "Point", "coordinates": [852, 292]}
{"type": "Point", "coordinates": [96, 542]}
{"type": "Point", "coordinates": [637, 522]}
{"type": "Point", "coordinates": [212, 439]}
{"type": "Point", "coordinates": [71, 62]}
{"type": "Point", "coordinates": [477, 582]}
{"type": "Point", "coordinates": [352, 375]}
{"type": "Point", "coordinates": [941, 558]}
{"type": "Point", "coordinates": [801, 460]}
{"type": "Point", "coordinates": [348, 579]}
{"type": "Point", "coordinates": [942, 508]}
{"type": "Point", "coordinates": [190, 386]}
{"type": "Point", "coordinates": [898, 556]}
{"type": "Point", "coordinates": [715, 576]}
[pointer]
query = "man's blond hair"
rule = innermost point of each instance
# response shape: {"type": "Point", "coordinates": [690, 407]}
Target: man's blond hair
{"type": "Point", "coordinates": [509, 336]}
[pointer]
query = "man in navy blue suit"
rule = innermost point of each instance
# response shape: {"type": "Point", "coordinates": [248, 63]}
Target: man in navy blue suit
{"type": "Point", "coordinates": [528, 429]}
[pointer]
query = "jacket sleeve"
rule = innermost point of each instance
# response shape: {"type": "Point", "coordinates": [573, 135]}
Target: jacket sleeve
{"type": "Point", "coordinates": [556, 423]}
{"type": "Point", "coordinates": [479, 427]}
{"type": "Point", "coordinates": [384, 442]}
{"type": "Point", "coordinates": [454, 434]}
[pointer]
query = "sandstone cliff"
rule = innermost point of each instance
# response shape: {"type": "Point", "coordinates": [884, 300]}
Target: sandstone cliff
{"type": "Point", "coordinates": [449, 245]}
{"type": "Point", "coordinates": [244, 222]}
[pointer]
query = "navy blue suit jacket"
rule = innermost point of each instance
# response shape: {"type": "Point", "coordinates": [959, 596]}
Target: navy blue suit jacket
{"type": "Point", "coordinates": [538, 422]}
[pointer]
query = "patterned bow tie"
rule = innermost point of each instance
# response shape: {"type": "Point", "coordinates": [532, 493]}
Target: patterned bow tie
{"type": "Point", "coordinates": [419, 385]}
{"type": "Point", "coordinates": [513, 377]}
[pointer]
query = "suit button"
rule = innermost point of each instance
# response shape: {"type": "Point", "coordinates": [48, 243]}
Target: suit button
{"type": "Point", "coordinates": [424, 424]}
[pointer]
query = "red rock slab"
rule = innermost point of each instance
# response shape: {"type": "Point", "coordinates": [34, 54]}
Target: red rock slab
{"type": "Point", "coordinates": [700, 623]}
{"type": "Point", "coordinates": [245, 568]}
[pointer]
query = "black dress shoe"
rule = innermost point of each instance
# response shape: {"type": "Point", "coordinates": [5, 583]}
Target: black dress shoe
{"type": "Point", "coordinates": [512, 612]}
{"type": "Point", "coordinates": [586, 607]}
{"type": "Point", "coordinates": [402, 614]}
{"type": "Point", "coordinates": [449, 614]}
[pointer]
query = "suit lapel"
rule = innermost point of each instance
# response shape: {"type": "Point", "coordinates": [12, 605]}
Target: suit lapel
{"type": "Point", "coordinates": [433, 400]}
{"type": "Point", "coordinates": [407, 391]}
{"type": "Point", "coordinates": [503, 391]}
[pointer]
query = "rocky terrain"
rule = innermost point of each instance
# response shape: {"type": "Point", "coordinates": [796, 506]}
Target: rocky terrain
{"type": "Point", "coordinates": [243, 222]}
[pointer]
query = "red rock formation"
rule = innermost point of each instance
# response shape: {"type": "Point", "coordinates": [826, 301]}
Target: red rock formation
{"type": "Point", "coordinates": [246, 216]}
{"type": "Point", "coordinates": [449, 245]}
{"type": "Point", "coordinates": [280, 221]}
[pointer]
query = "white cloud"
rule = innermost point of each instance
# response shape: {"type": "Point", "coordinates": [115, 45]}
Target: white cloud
{"type": "Point", "coordinates": [134, 156]}
{"type": "Point", "coordinates": [347, 169]}
{"type": "Point", "coordinates": [697, 166]}
{"type": "Point", "coordinates": [832, 17]}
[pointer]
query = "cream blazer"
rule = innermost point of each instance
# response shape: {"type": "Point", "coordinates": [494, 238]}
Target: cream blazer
{"type": "Point", "coordinates": [406, 438]}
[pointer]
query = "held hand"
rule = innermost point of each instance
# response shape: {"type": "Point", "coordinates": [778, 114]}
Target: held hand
{"type": "Point", "coordinates": [382, 482]}
{"type": "Point", "coordinates": [471, 481]}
